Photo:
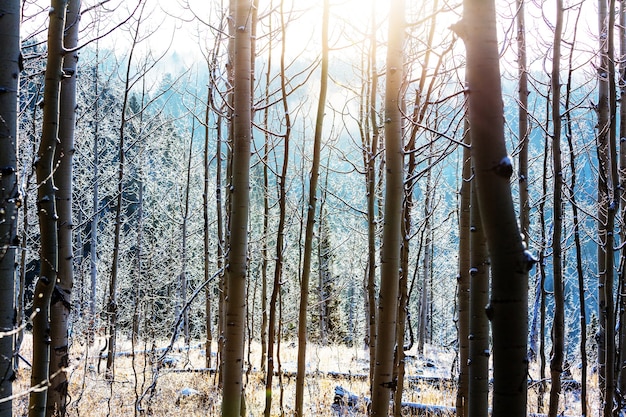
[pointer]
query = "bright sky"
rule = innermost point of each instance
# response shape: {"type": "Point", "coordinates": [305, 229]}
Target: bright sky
{"type": "Point", "coordinates": [171, 23]}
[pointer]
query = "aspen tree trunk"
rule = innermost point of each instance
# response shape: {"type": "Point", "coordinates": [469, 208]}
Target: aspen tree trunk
{"type": "Point", "coordinates": [237, 263]}
{"type": "Point", "coordinates": [280, 232]}
{"type": "Point", "coordinates": [266, 207]}
{"type": "Point", "coordinates": [541, 279]}
{"type": "Point", "coordinates": [607, 204]}
{"type": "Point", "coordinates": [510, 262]}
{"type": "Point", "coordinates": [208, 346]}
{"type": "Point", "coordinates": [524, 127]}
{"type": "Point", "coordinates": [264, 248]}
{"type": "Point", "coordinates": [478, 361]}
{"type": "Point", "coordinates": [602, 144]}
{"type": "Point", "coordinates": [183, 274]}
{"type": "Point", "coordinates": [221, 246]}
{"type": "Point", "coordinates": [464, 278]}
{"type": "Point", "coordinates": [60, 304]}
{"type": "Point", "coordinates": [621, 366]}
{"type": "Point", "coordinates": [227, 211]}
{"type": "Point", "coordinates": [212, 68]}
{"type": "Point", "coordinates": [427, 264]}
{"type": "Point", "coordinates": [524, 135]}
{"type": "Point", "coordinates": [612, 210]}
{"type": "Point", "coordinates": [46, 208]}
{"type": "Point", "coordinates": [577, 243]}
{"type": "Point", "coordinates": [111, 306]}
{"type": "Point", "coordinates": [383, 383]}
{"type": "Point", "coordinates": [369, 161]}
{"type": "Point", "coordinates": [558, 323]}
{"type": "Point", "coordinates": [310, 219]}
{"type": "Point", "coordinates": [9, 196]}
{"type": "Point", "coordinates": [420, 107]}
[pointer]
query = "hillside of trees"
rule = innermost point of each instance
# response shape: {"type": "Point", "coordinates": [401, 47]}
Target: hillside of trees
{"type": "Point", "coordinates": [245, 181]}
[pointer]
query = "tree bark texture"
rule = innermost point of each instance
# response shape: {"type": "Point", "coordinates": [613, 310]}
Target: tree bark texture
{"type": "Point", "coordinates": [46, 210]}
{"type": "Point", "coordinates": [607, 202]}
{"type": "Point", "coordinates": [9, 193]}
{"type": "Point", "coordinates": [478, 360]}
{"type": "Point", "coordinates": [383, 383]}
{"type": "Point", "coordinates": [464, 279]}
{"type": "Point", "coordinates": [237, 262]}
{"type": "Point", "coordinates": [621, 365]}
{"type": "Point", "coordinates": [510, 262]}
{"type": "Point", "coordinates": [60, 304]}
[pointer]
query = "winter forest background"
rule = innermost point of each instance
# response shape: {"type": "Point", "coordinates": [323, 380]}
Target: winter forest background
{"type": "Point", "coordinates": [202, 187]}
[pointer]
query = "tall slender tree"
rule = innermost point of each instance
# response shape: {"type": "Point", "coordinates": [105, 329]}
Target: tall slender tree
{"type": "Point", "coordinates": [569, 134]}
{"type": "Point", "coordinates": [608, 202]}
{"type": "Point", "coordinates": [237, 262]}
{"type": "Point", "coordinates": [46, 210]}
{"type": "Point", "coordinates": [523, 125]}
{"type": "Point", "coordinates": [310, 218]}
{"type": "Point", "coordinates": [558, 323]}
{"type": "Point", "coordinates": [510, 262]}
{"type": "Point", "coordinates": [621, 367]}
{"type": "Point", "coordinates": [60, 304]}
{"type": "Point", "coordinates": [112, 306]}
{"type": "Point", "coordinates": [9, 196]}
{"type": "Point", "coordinates": [370, 139]}
{"type": "Point", "coordinates": [274, 320]}
{"type": "Point", "coordinates": [383, 383]}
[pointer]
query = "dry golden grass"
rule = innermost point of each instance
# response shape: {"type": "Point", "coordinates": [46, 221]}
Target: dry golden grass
{"type": "Point", "coordinates": [93, 396]}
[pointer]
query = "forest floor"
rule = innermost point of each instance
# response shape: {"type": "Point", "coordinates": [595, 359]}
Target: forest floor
{"type": "Point", "coordinates": [184, 387]}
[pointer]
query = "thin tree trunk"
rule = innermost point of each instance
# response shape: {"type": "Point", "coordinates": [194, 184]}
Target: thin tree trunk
{"type": "Point", "coordinates": [420, 106]}
{"type": "Point", "coordinates": [310, 219]}
{"type": "Point", "coordinates": [46, 207]}
{"type": "Point", "coordinates": [208, 347]}
{"type": "Point", "coordinates": [112, 306]}
{"type": "Point", "coordinates": [138, 285]}
{"type": "Point", "coordinates": [280, 233]}
{"type": "Point", "coordinates": [60, 304]}
{"type": "Point", "coordinates": [523, 125]}
{"type": "Point", "coordinates": [9, 197]}
{"type": "Point", "coordinates": [183, 274]}
{"type": "Point", "coordinates": [524, 137]}
{"type": "Point", "coordinates": [266, 208]}
{"type": "Point", "coordinates": [621, 368]}
{"type": "Point", "coordinates": [369, 160]}
{"type": "Point", "coordinates": [541, 279]}
{"type": "Point", "coordinates": [577, 243]}
{"type": "Point", "coordinates": [383, 383]}
{"type": "Point", "coordinates": [510, 262]}
{"type": "Point", "coordinates": [558, 323]}
{"type": "Point", "coordinates": [427, 264]}
{"type": "Point", "coordinates": [237, 263]}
